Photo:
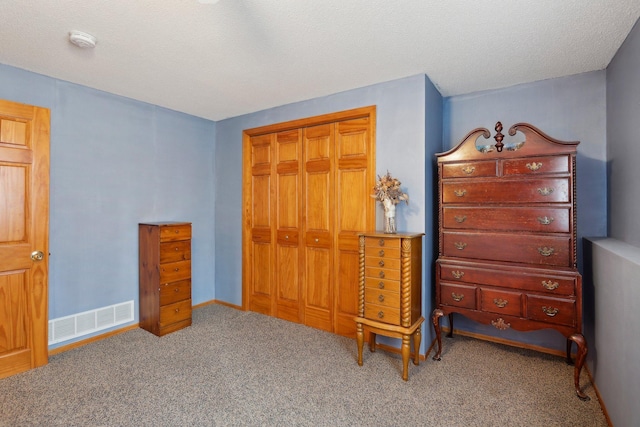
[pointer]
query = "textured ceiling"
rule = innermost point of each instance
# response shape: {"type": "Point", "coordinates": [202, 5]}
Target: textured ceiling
{"type": "Point", "coordinates": [239, 56]}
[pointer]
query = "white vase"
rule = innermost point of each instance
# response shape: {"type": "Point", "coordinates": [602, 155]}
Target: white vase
{"type": "Point", "coordinates": [389, 217]}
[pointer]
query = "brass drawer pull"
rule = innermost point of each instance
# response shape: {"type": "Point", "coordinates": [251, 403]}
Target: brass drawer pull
{"type": "Point", "coordinates": [469, 170]}
{"type": "Point", "coordinates": [176, 269]}
{"type": "Point", "coordinates": [460, 219]}
{"type": "Point", "coordinates": [177, 289]}
{"type": "Point", "coordinates": [286, 237]}
{"type": "Point", "coordinates": [380, 314]}
{"type": "Point", "coordinates": [177, 310]}
{"type": "Point", "coordinates": [545, 191]}
{"type": "Point", "coordinates": [381, 263]}
{"type": "Point", "coordinates": [534, 166]}
{"type": "Point", "coordinates": [381, 242]}
{"type": "Point", "coordinates": [460, 245]}
{"type": "Point", "coordinates": [457, 297]}
{"type": "Point", "coordinates": [381, 275]}
{"type": "Point", "coordinates": [381, 285]}
{"type": "Point", "coordinates": [381, 253]}
{"type": "Point", "coordinates": [549, 285]}
{"type": "Point", "coordinates": [501, 303]}
{"type": "Point", "coordinates": [457, 274]}
{"type": "Point", "coordinates": [177, 249]}
{"type": "Point", "coordinates": [460, 193]}
{"type": "Point", "coordinates": [545, 220]}
{"type": "Point", "coordinates": [546, 251]}
{"type": "Point", "coordinates": [381, 298]}
{"type": "Point", "coordinates": [550, 311]}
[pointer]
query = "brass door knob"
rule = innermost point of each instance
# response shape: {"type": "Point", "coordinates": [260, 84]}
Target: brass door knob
{"type": "Point", "coordinates": [37, 255]}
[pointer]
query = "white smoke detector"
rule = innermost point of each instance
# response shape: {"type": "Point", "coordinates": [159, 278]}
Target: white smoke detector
{"type": "Point", "coordinates": [82, 40]}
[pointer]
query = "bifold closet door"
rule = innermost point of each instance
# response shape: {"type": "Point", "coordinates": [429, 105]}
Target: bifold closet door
{"type": "Point", "coordinates": [306, 198]}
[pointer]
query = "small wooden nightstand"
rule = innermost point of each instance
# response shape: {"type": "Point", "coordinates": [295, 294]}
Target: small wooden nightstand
{"type": "Point", "coordinates": [390, 292]}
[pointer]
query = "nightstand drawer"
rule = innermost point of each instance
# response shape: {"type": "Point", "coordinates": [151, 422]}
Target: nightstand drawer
{"type": "Point", "coordinates": [381, 242]}
{"type": "Point", "coordinates": [501, 302]}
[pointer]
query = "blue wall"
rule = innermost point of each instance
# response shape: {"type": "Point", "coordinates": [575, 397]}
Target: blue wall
{"type": "Point", "coordinates": [402, 146]}
{"type": "Point", "coordinates": [116, 162]}
{"type": "Point", "coordinates": [570, 108]}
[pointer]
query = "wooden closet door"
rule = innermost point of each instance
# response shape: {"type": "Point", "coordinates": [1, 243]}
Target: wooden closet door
{"type": "Point", "coordinates": [289, 258]}
{"type": "Point", "coordinates": [318, 226]}
{"type": "Point", "coordinates": [261, 261]}
{"type": "Point", "coordinates": [354, 210]}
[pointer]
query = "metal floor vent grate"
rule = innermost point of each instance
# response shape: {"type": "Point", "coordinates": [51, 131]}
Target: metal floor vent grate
{"type": "Point", "coordinates": [76, 325]}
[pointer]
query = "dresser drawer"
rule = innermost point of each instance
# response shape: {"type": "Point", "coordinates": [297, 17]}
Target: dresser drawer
{"type": "Point", "coordinates": [501, 302]}
{"type": "Point", "coordinates": [174, 271]}
{"type": "Point", "coordinates": [382, 313]}
{"type": "Point", "coordinates": [526, 248]}
{"type": "Point", "coordinates": [174, 292]}
{"type": "Point", "coordinates": [536, 165]}
{"type": "Point", "coordinates": [382, 252]}
{"type": "Point", "coordinates": [377, 283]}
{"type": "Point", "coordinates": [178, 250]}
{"type": "Point", "coordinates": [175, 232]}
{"type": "Point", "coordinates": [175, 312]}
{"type": "Point", "coordinates": [371, 243]}
{"type": "Point", "coordinates": [550, 282]}
{"type": "Point", "coordinates": [382, 262]}
{"type": "Point", "coordinates": [469, 169]}
{"type": "Point", "coordinates": [551, 190]}
{"type": "Point", "coordinates": [382, 273]}
{"type": "Point", "coordinates": [548, 220]}
{"type": "Point", "coordinates": [551, 310]}
{"type": "Point", "coordinates": [458, 295]}
{"type": "Point", "coordinates": [382, 297]}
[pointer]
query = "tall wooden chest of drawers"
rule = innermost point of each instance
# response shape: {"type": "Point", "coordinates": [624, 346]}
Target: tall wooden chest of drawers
{"type": "Point", "coordinates": [507, 236]}
{"type": "Point", "coordinates": [390, 292]}
{"type": "Point", "coordinates": [165, 276]}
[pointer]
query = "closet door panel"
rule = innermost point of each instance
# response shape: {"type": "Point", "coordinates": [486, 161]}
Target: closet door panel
{"type": "Point", "coordinates": [288, 262]}
{"type": "Point", "coordinates": [353, 185]}
{"type": "Point", "coordinates": [318, 226]}
{"type": "Point", "coordinates": [262, 252]}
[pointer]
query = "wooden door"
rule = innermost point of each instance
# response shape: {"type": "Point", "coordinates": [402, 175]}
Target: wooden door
{"type": "Point", "coordinates": [354, 212]}
{"type": "Point", "coordinates": [319, 194]}
{"type": "Point", "coordinates": [24, 225]}
{"type": "Point", "coordinates": [288, 272]}
{"type": "Point", "coordinates": [306, 187]}
{"type": "Point", "coordinates": [259, 229]}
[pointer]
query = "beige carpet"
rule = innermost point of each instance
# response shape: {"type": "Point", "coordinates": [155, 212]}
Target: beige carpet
{"type": "Point", "coordinates": [234, 368]}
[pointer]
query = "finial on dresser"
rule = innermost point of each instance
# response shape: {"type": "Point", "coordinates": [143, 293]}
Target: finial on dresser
{"type": "Point", "coordinates": [499, 136]}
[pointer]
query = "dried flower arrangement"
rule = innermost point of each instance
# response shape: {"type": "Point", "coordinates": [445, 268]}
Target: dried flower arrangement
{"type": "Point", "coordinates": [388, 188]}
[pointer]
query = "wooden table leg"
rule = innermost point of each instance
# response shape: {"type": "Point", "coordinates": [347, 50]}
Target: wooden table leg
{"type": "Point", "coordinates": [417, 337]}
{"type": "Point", "coordinates": [406, 352]}
{"type": "Point", "coordinates": [360, 339]}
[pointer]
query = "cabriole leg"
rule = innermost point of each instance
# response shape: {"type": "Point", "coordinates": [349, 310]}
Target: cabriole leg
{"type": "Point", "coordinates": [437, 314]}
{"type": "Point", "coordinates": [581, 355]}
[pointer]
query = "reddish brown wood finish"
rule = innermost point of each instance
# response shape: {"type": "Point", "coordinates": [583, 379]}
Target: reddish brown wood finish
{"type": "Point", "coordinates": [165, 276]}
{"type": "Point", "coordinates": [507, 247]}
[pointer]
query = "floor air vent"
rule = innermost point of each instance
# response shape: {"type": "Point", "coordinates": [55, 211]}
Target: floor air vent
{"type": "Point", "coordinates": [77, 325]}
